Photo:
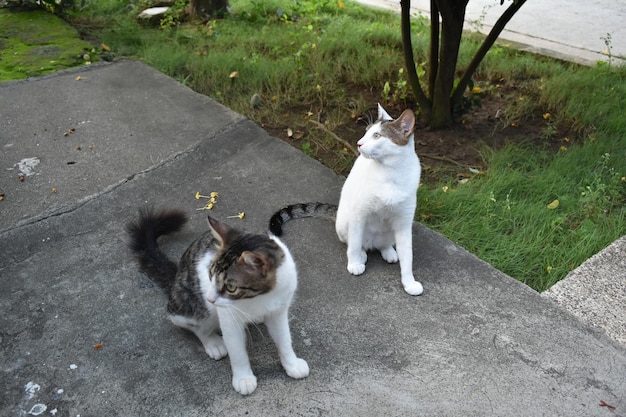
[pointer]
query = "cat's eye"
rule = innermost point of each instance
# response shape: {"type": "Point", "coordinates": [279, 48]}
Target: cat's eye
{"type": "Point", "coordinates": [377, 135]}
{"type": "Point", "coordinates": [231, 287]}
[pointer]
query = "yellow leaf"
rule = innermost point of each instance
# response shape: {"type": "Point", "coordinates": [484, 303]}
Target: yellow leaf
{"type": "Point", "coordinates": [106, 47]}
{"type": "Point", "coordinates": [546, 116]}
{"type": "Point", "coordinates": [234, 74]}
{"type": "Point", "coordinates": [553, 205]}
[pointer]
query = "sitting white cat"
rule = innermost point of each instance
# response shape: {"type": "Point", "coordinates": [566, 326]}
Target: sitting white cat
{"type": "Point", "coordinates": [378, 199]}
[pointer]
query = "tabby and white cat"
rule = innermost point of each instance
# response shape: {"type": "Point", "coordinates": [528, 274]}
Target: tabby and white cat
{"type": "Point", "coordinates": [225, 280]}
{"type": "Point", "coordinates": [378, 199]}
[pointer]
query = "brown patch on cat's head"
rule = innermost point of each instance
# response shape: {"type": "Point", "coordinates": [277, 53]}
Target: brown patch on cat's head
{"type": "Point", "coordinates": [245, 264]}
{"type": "Point", "coordinates": [401, 129]}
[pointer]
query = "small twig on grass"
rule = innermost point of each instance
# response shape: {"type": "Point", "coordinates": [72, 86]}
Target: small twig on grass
{"type": "Point", "coordinates": [337, 138]}
{"type": "Point", "coordinates": [442, 158]}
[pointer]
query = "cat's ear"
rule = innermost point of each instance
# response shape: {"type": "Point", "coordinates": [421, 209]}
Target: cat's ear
{"type": "Point", "coordinates": [219, 230]}
{"type": "Point", "coordinates": [382, 114]}
{"type": "Point", "coordinates": [405, 123]}
{"type": "Point", "coordinates": [256, 260]}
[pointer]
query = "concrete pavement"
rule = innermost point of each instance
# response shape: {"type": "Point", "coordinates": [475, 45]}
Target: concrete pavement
{"type": "Point", "coordinates": [83, 333]}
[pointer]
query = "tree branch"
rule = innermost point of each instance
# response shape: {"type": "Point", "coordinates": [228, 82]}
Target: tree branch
{"type": "Point", "coordinates": [484, 48]}
{"type": "Point", "coordinates": [409, 60]}
{"type": "Point", "coordinates": [434, 47]}
{"type": "Point", "coordinates": [344, 142]}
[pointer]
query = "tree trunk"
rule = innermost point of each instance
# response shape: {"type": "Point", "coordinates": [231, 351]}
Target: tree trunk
{"type": "Point", "coordinates": [208, 8]}
{"type": "Point", "coordinates": [409, 60]}
{"type": "Point", "coordinates": [451, 33]}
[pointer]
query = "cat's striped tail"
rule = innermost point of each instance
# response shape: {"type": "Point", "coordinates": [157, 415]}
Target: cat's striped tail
{"type": "Point", "coordinates": [298, 211]}
{"type": "Point", "coordinates": [144, 233]}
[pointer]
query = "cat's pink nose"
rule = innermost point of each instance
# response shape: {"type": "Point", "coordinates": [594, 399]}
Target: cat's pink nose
{"type": "Point", "coordinates": [211, 299]}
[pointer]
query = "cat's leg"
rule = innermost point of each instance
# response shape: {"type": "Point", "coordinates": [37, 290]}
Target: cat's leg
{"type": "Point", "coordinates": [234, 333]}
{"type": "Point", "coordinates": [278, 328]}
{"type": "Point", "coordinates": [205, 330]}
{"type": "Point", "coordinates": [384, 241]}
{"type": "Point", "coordinates": [404, 247]}
{"type": "Point", "coordinates": [389, 254]}
{"type": "Point", "coordinates": [213, 343]}
{"type": "Point", "coordinates": [357, 257]}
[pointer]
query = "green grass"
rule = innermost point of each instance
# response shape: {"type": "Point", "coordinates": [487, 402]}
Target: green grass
{"type": "Point", "coordinates": [317, 60]}
{"type": "Point", "coordinates": [507, 217]}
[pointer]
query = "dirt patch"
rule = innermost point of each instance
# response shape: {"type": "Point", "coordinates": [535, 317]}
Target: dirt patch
{"type": "Point", "coordinates": [444, 153]}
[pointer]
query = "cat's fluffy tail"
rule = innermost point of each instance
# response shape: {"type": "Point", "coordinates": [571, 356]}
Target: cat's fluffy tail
{"type": "Point", "coordinates": [298, 211]}
{"type": "Point", "coordinates": [144, 233]}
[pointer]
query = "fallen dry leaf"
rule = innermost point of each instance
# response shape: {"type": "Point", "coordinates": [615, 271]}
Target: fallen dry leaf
{"type": "Point", "coordinates": [553, 205]}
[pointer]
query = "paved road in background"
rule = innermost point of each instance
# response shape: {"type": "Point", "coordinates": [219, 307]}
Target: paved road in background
{"type": "Point", "coordinates": [573, 30]}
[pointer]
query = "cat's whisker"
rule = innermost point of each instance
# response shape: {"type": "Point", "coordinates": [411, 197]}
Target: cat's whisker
{"type": "Point", "coordinates": [248, 319]}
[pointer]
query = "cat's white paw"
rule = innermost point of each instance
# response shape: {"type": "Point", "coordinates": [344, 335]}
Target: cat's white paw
{"type": "Point", "coordinates": [356, 268]}
{"type": "Point", "coordinates": [215, 348]}
{"type": "Point", "coordinates": [297, 369]}
{"type": "Point", "coordinates": [390, 255]}
{"type": "Point", "coordinates": [245, 385]}
{"type": "Point", "coordinates": [413, 288]}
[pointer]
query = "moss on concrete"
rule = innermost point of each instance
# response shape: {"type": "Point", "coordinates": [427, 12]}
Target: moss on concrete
{"type": "Point", "coordinates": [36, 42]}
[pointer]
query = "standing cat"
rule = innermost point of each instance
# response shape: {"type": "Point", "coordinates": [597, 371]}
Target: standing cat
{"type": "Point", "coordinates": [225, 280]}
{"type": "Point", "coordinates": [378, 199]}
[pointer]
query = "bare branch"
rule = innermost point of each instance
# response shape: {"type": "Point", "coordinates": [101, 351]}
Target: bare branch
{"type": "Point", "coordinates": [409, 60]}
{"type": "Point", "coordinates": [434, 46]}
{"type": "Point", "coordinates": [484, 48]}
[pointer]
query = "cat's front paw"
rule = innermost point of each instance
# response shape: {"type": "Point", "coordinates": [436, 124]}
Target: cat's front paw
{"type": "Point", "coordinates": [215, 348]}
{"type": "Point", "coordinates": [413, 288]}
{"type": "Point", "coordinates": [245, 385]}
{"type": "Point", "coordinates": [390, 255]}
{"type": "Point", "coordinates": [356, 268]}
{"type": "Point", "coordinates": [297, 369]}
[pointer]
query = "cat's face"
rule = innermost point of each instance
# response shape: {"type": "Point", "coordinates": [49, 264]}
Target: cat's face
{"type": "Point", "coordinates": [386, 136]}
{"type": "Point", "coordinates": [244, 266]}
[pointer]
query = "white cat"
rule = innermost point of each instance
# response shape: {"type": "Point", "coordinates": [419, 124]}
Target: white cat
{"type": "Point", "coordinates": [378, 199]}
